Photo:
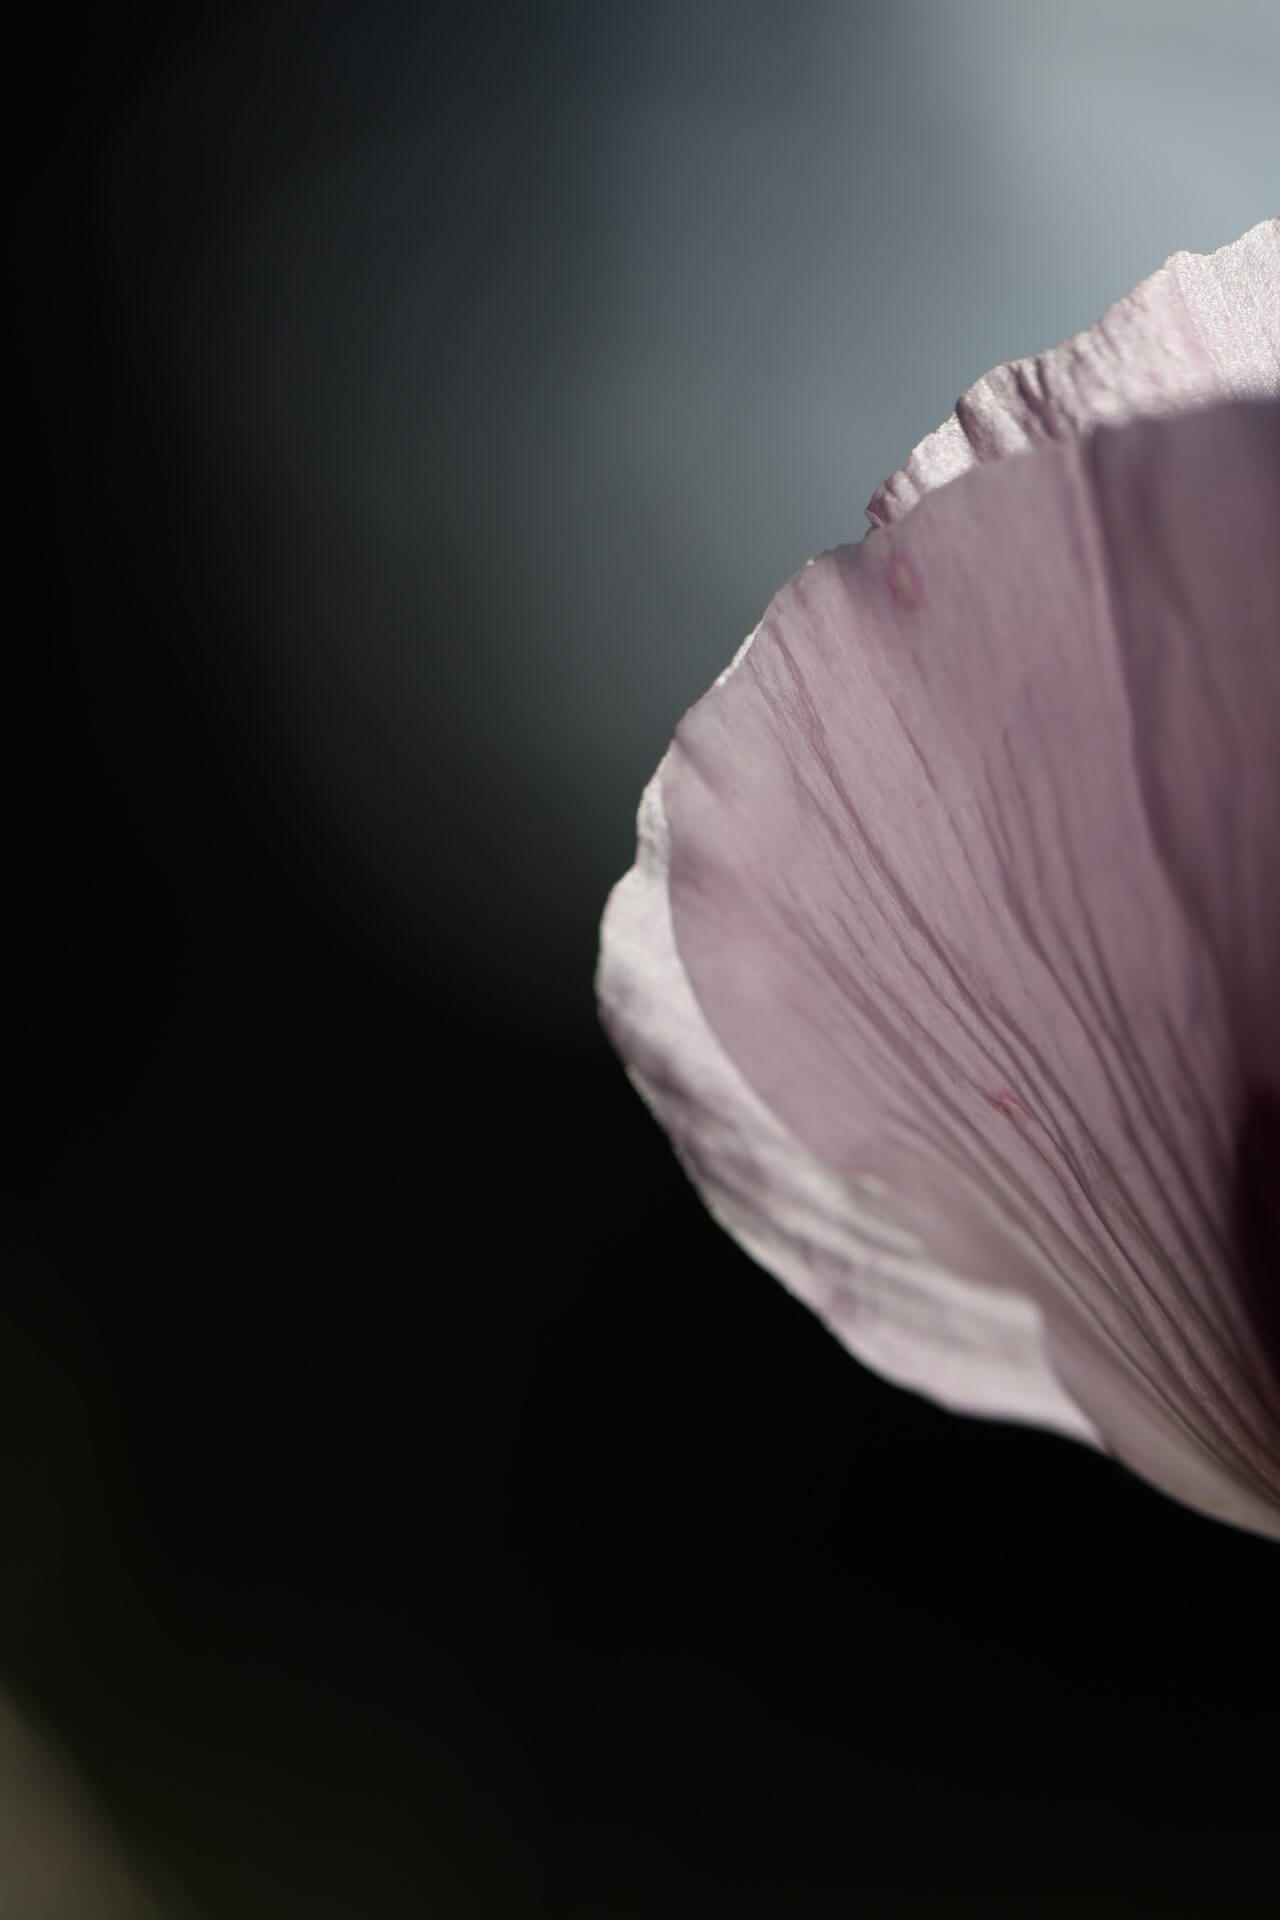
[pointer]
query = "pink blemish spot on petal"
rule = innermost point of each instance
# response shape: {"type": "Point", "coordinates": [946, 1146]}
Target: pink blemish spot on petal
{"type": "Point", "coordinates": [904, 587]}
{"type": "Point", "coordinates": [1008, 1103]}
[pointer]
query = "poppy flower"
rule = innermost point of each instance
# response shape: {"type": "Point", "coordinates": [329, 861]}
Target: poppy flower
{"type": "Point", "coordinates": [950, 960]}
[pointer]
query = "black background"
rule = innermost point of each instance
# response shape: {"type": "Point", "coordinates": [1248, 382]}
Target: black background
{"type": "Point", "coordinates": [412, 1504]}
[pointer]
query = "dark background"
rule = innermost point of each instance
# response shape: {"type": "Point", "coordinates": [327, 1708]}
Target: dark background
{"type": "Point", "coordinates": [411, 1503]}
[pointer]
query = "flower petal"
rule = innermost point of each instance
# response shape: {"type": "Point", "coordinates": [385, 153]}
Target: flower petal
{"type": "Point", "coordinates": [829, 1238]}
{"type": "Point", "coordinates": [945, 965]}
{"type": "Point", "coordinates": [1204, 328]}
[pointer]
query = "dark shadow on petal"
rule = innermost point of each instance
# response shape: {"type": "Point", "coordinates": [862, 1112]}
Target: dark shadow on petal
{"type": "Point", "coordinates": [1257, 1215]}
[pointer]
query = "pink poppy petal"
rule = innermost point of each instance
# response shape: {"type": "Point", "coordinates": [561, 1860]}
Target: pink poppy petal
{"type": "Point", "coordinates": [831, 1239]}
{"type": "Point", "coordinates": [945, 957]}
{"type": "Point", "coordinates": [1204, 328]}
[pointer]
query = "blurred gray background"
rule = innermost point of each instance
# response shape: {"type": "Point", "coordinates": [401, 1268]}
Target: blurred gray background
{"type": "Point", "coordinates": [548, 343]}
{"type": "Point", "coordinates": [411, 1504]}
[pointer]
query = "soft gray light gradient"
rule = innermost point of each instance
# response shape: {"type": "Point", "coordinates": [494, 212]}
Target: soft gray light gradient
{"type": "Point", "coordinates": [432, 397]}
{"type": "Point", "coordinates": [543, 389]}
{"type": "Point", "coordinates": [59, 1857]}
